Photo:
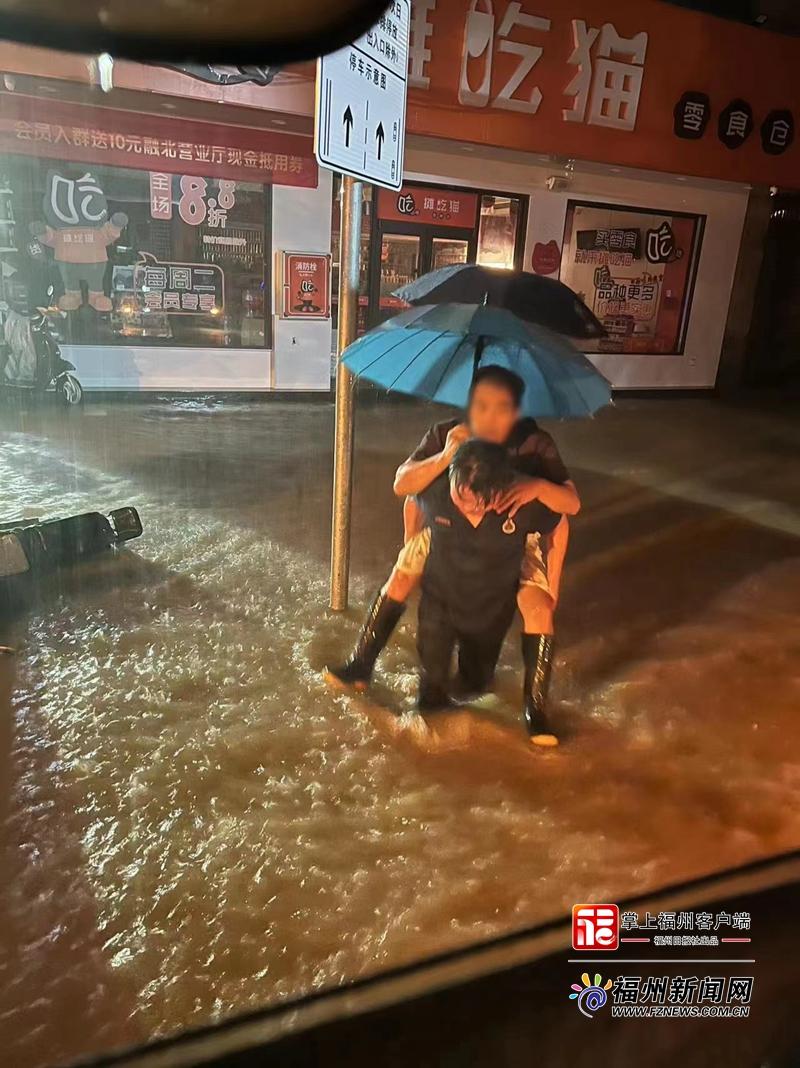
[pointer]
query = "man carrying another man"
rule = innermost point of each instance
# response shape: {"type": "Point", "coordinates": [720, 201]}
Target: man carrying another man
{"type": "Point", "coordinates": [537, 477]}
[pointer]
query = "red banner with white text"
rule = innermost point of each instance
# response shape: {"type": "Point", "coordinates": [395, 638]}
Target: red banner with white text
{"type": "Point", "coordinates": [74, 132]}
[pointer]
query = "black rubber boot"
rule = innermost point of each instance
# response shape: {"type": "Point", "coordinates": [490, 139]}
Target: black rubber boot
{"type": "Point", "coordinates": [381, 620]}
{"type": "Point", "coordinates": [433, 697]}
{"type": "Point", "coordinates": [537, 655]}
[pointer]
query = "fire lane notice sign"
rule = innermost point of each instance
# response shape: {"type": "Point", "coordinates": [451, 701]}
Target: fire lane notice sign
{"type": "Point", "coordinates": [360, 113]}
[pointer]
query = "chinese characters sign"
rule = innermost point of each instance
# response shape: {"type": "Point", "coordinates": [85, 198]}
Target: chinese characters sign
{"type": "Point", "coordinates": [624, 304]}
{"type": "Point", "coordinates": [716, 990]}
{"type": "Point", "coordinates": [417, 204]}
{"type": "Point", "coordinates": [197, 205]}
{"type": "Point", "coordinates": [691, 115]}
{"type": "Point", "coordinates": [777, 132]}
{"type": "Point", "coordinates": [506, 46]}
{"type": "Point", "coordinates": [604, 89]}
{"type": "Point", "coordinates": [160, 195]}
{"type": "Point", "coordinates": [609, 240]}
{"type": "Point", "coordinates": [360, 111]}
{"type": "Point", "coordinates": [682, 996]}
{"type": "Point", "coordinates": [306, 285]}
{"type": "Point", "coordinates": [178, 288]}
{"type": "Point", "coordinates": [688, 928]}
{"type": "Point", "coordinates": [601, 80]}
{"type": "Point", "coordinates": [660, 246]}
{"type": "Point", "coordinates": [154, 143]}
{"type": "Point", "coordinates": [735, 123]}
{"type": "Point", "coordinates": [609, 84]}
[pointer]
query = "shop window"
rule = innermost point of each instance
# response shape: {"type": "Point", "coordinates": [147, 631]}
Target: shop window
{"type": "Point", "coordinates": [635, 268]}
{"type": "Point", "coordinates": [140, 257]}
{"type": "Point", "coordinates": [497, 231]}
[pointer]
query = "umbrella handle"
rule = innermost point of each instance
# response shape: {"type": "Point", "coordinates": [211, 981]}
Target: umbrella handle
{"type": "Point", "coordinates": [479, 346]}
{"type": "Point", "coordinates": [480, 342]}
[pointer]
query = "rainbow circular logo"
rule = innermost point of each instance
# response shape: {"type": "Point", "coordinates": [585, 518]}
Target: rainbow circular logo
{"type": "Point", "coordinates": [592, 995]}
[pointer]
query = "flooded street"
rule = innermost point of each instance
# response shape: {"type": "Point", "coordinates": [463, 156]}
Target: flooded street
{"type": "Point", "coordinates": [196, 826]}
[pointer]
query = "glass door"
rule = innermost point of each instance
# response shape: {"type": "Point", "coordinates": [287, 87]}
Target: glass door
{"type": "Point", "coordinates": [400, 264]}
{"type": "Point", "coordinates": [447, 250]}
{"type": "Point", "coordinates": [403, 252]}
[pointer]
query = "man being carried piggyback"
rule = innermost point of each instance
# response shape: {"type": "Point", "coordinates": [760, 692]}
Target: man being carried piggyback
{"type": "Point", "coordinates": [534, 474]}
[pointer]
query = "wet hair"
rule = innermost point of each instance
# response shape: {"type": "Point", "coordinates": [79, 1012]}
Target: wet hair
{"type": "Point", "coordinates": [499, 376]}
{"type": "Point", "coordinates": [482, 468]}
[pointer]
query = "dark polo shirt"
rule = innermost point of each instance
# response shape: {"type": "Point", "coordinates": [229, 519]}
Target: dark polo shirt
{"type": "Point", "coordinates": [473, 572]}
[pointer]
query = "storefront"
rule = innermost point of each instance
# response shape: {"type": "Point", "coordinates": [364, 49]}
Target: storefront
{"type": "Point", "coordinates": [156, 239]}
{"type": "Point", "coordinates": [422, 228]}
{"type": "Point", "coordinates": [664, 299]}
{"type": "Point", "coordinates": [636, 160]}
{"type": "Point", "coordinates": [569, 140]}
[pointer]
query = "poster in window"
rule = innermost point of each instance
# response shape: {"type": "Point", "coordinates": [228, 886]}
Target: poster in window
{"type": "Point", "coordinates": [145, 257]}
{"type": "Point", "coordinates": [635, 269]}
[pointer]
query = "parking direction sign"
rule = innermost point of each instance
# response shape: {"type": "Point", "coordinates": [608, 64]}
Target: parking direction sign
{"type": "Point", "coordinates": [360, 115]}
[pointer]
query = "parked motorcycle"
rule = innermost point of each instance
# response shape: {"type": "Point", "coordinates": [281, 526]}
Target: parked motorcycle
{"type": "Point", "coordinates": [34, 362]}
{"type": "Point", "coordinates": [32, 545]}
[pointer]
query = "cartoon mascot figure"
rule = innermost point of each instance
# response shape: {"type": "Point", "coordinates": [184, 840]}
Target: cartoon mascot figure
{"type": "Point", "coordinates": [79, 231]}
{"type": "Point", "coordinates": [305, 297]}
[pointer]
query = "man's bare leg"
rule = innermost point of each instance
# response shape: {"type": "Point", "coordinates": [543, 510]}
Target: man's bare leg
{"type": "Point", "coordinates": [413, 518]}
{"type": "Point", "coordinates": [557, 544]}
{"type": "Point", "coordinates": [400, 585]}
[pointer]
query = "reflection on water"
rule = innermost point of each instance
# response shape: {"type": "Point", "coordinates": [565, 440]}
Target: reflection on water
{"type": "Point", "coordinates": [196, 826]}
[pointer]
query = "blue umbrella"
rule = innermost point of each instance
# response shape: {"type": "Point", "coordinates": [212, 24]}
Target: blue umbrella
{"type": "Point", "coordinates": [433, 352]}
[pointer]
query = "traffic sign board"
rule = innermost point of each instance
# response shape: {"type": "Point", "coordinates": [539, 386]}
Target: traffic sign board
{"type": "Point", "coordinates": [360, 115]}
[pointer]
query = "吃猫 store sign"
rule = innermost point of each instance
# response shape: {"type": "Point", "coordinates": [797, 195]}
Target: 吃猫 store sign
{"type": "Point", "coordinates": [74, 132]}
{"type": "Point", "coordinates": [429, 205]}
{"type": "Point", "coordinates": [602, 79]}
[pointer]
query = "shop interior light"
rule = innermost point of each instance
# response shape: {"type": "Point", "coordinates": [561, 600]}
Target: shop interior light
{"type": "Point", "coordinates": [262, 32]}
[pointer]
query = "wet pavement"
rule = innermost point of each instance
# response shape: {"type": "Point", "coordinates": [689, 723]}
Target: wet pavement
{"type": "Point", "coordinates": [195, 826]}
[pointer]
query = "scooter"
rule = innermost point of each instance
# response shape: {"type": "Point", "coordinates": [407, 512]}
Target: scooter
{"type": "Point", "coordinates": [52, 371]}
{"type": "Point", "coordinates": [32, 545]}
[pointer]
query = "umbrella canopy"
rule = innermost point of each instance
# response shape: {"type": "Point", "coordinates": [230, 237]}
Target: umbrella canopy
{"type": "Point", "coordinates": [544, 301]}
{"type": "Point", "coordinates": [434, 351]}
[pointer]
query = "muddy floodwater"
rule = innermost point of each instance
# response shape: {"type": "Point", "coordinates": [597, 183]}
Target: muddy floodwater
{"type": "Point", "coordinates": [195, 826]}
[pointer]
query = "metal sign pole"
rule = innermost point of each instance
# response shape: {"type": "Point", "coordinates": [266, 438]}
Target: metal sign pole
{"type": "Point", "coordinates": [349, 263]}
